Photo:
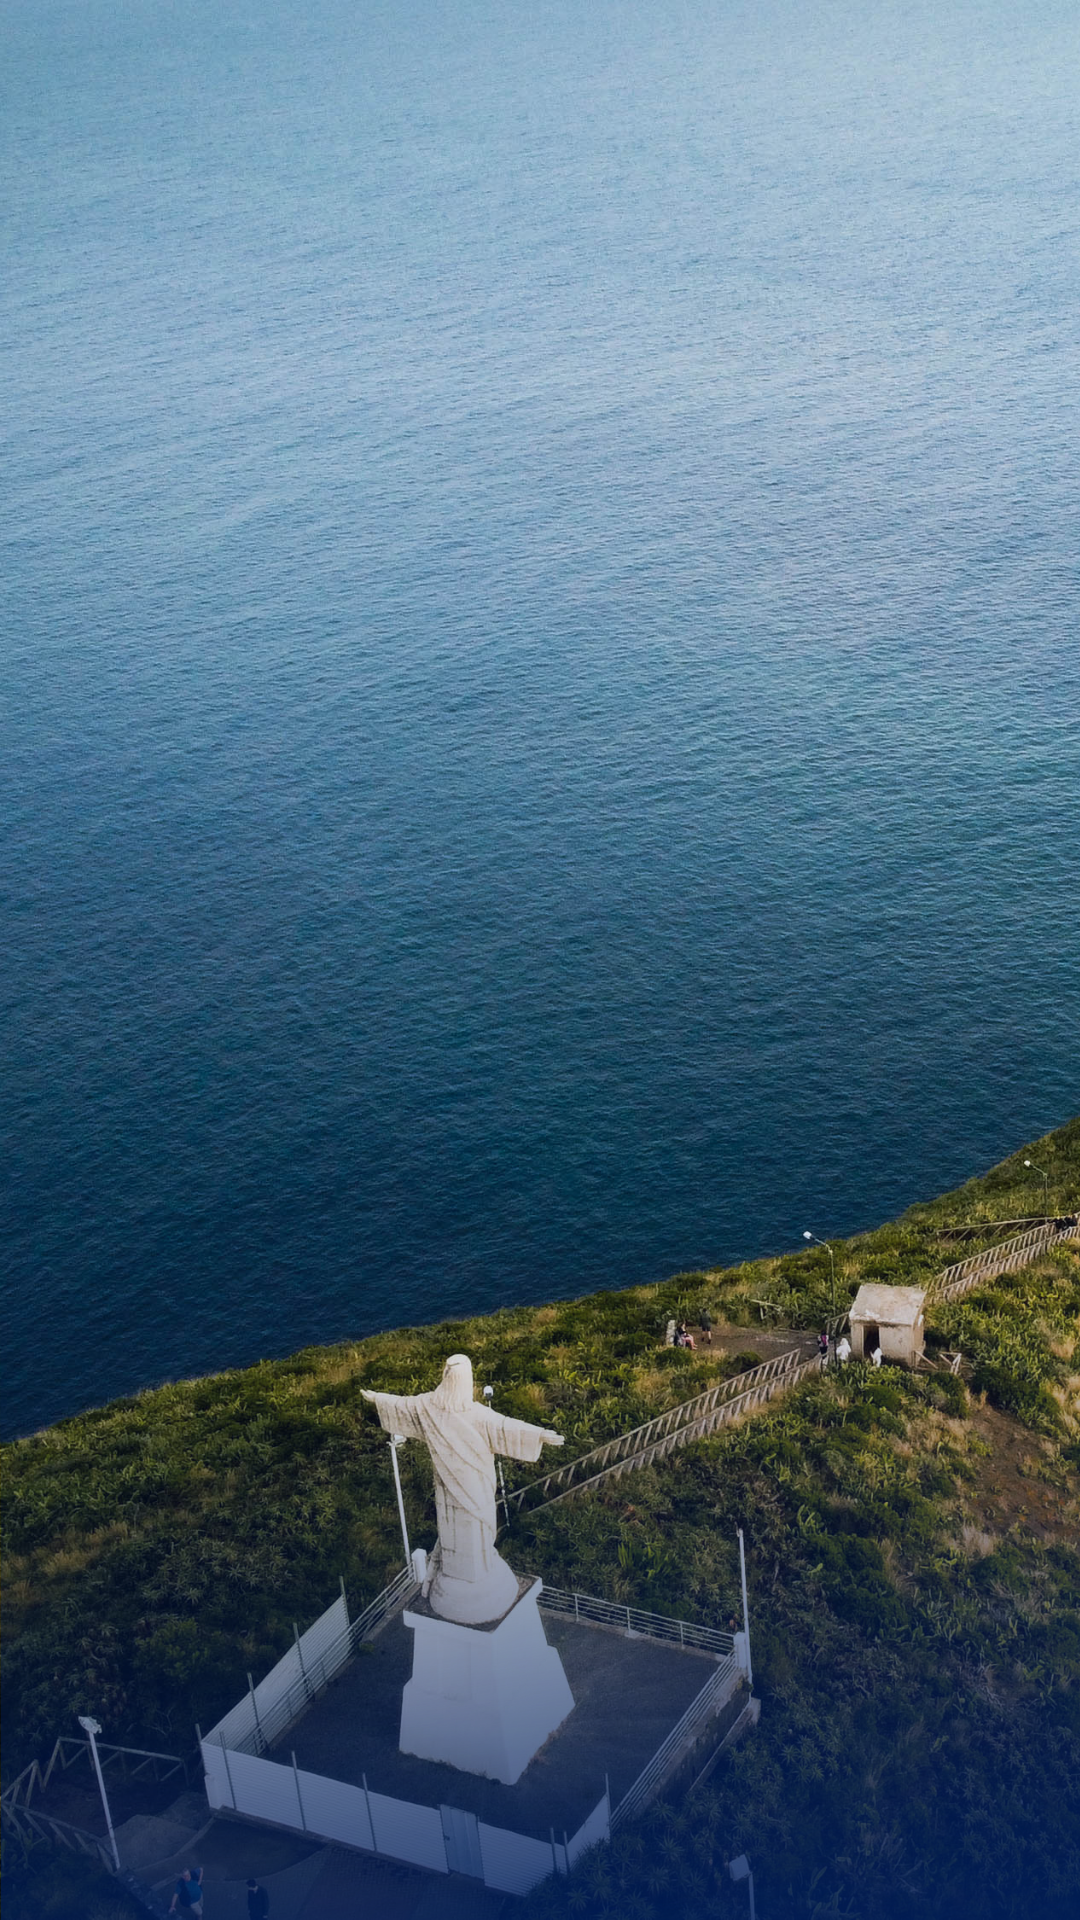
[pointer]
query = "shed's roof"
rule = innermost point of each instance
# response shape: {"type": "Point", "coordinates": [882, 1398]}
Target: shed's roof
{"type": "Point", "coordinates": [888, 1306]}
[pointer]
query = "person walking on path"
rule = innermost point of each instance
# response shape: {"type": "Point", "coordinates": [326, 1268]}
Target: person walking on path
{"type": "Point", "coordinates": [823, 1348]}
{"type": "Point", "coordinates": [258, 1901]}
{"type": "Point", "coordinates": [705, 1323]}
{"type": "Point", "coordinates": [188, 1897]}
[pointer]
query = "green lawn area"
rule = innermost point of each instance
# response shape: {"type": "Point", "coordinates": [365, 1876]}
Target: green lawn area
{"type": "Point", "coordinates": [919, 1666]}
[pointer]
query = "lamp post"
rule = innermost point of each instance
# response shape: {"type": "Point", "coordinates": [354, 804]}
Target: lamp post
{"type": "Point", "coordinates": [91, 1729]}
{"type": "Point", "coordinates": [832, 1276]}
{"type": "Point", "coordinates": [489, 1395]}
{"type": "Point", "coordinates": [740, 1870]}
{"type": "Point", "coordinates": [1045, 1177]}
{"type": "Point", "coordinates": [745, 1615]}
{"type": "Point", "coordinates": [398, 1440]}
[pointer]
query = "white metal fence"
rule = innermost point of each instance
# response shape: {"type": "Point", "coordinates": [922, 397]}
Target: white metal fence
{"type": "Point", "coordinates": [635, 1622]}
{"type": "Point", "coordinates": [239, 1778]}
{"type": "Point", "coordinates": [682, 1739]}
{"type": "Point", "coordinates": [267, 1711]}
{"type": "Point", "coordinates": [333, 1810]}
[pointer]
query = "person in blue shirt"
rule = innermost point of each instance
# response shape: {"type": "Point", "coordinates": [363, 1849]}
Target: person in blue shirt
{"type": "Point", "coordinates": [188, 1897]}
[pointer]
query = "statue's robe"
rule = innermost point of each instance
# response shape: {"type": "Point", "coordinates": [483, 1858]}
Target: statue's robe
{"type": "Point", "coordinates": [463, 1442]}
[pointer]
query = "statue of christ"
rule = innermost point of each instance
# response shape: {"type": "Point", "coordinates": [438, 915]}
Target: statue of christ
{"type": "Point", "coordinates": [467, 1580]}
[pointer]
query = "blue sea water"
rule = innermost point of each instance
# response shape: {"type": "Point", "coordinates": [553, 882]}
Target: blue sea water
{"type": "Point", "coordinates": [539, 648]}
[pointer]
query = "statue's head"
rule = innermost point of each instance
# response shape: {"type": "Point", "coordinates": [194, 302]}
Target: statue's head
{"type": "Point", "coordinates": [455, 1389]}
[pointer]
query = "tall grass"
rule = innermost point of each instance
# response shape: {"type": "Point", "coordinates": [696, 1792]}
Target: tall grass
{"type": "Point", "coordinates": [160, 1547]}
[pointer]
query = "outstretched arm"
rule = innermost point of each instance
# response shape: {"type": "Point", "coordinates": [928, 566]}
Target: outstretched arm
{"type": "Point", "coordinates": [518, 1439]}
{"type": "Point", "coordinates": [396, 1413]}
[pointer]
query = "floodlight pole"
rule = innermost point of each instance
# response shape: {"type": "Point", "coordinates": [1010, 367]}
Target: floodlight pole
{"type": "Point", "coordinates": [92, 1729]}
{"type": "Point", "coordinates": [832, 1279]}
{"type": "Point", "coordinates": [740, 1870]}
{"type": "Point", "coordinates": [489, 1395]}
{"type": "Point", "coordinates": [745, 1613]}
{"type": "Point", "coordinates": [398, 1440]}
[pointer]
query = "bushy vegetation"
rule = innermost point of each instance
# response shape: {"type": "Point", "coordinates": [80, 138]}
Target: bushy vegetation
{"type": "Point", "coordinates": [53, 1884]}
{"type": "Point", "coordinates": [919, 1746]}
{"type": "Point", "coordinates": [918, 1751]}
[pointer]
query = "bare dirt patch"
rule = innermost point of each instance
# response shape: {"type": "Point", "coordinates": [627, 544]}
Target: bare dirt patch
{"type": "Point", "coordinates": [768, 1342]}
{"type": "Point", "coordinates": [1020, 1482]}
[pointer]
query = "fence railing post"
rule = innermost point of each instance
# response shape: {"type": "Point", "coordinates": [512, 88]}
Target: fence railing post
{"type": "Point", "coordinates": [228, 1773]}
{"type": "Point", "coordinates": [296, 1783]}
{"type": "Point", "coordinates": [255, 1710]}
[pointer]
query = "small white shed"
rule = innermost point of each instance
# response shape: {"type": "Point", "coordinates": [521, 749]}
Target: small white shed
{"type": "Point", "coordinates": [891, 1318]}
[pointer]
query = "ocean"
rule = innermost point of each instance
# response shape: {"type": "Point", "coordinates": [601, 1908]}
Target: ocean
{"type": "Point", "coordinates": [539, 649]}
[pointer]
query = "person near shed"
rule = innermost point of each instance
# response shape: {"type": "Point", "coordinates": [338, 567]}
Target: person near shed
{"type": "Point", "coordinates": [875, 1357]}
{"type": "Point", "coordinates": [823, 1348]}
{"type": "Point", "coordinates": [843, 1350]}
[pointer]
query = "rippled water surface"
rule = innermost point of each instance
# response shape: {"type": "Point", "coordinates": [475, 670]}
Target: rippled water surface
{"type": "Point", "coordinates": [539, 648]}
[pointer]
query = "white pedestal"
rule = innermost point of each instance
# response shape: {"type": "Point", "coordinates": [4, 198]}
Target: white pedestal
{"type": "Point", "coordinates": [483, 1699]}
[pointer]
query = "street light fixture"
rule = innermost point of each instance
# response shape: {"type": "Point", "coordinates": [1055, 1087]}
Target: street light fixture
{"type": "Point", "coordinates": [832, 1275]}
{"type": "Point", "coordinates": [740, 1870]}
{"type": "Point", "coordinates": [1046, 1183]}
{"type": "Point", "coordinates": [92, 1729]}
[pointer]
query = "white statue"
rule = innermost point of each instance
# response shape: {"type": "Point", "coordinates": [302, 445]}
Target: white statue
{"type": "Point", "coordinates": [467, 1580]}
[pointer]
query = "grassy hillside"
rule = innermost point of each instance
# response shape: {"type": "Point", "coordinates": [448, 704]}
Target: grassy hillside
{"type": "Point", "coordinates": [915, 1581]}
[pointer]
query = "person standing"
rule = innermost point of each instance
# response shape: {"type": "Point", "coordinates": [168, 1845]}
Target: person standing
{"type": "Point", "coordinates": [823, 1348]}
{"type": "Point", "coordinates": [258, 1901]}
{"type": "Point", "coordinates": [705, 1323]}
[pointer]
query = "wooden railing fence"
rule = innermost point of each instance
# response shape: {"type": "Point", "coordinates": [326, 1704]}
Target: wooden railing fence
{"type": "Point", "coordinates": [960, 1278]}
{"type": "Point", "coordinates": [690, 1420]}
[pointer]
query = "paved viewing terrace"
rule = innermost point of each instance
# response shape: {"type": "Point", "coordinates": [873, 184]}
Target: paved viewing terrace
{"type": "Point", "coordinates": [629, 1694]}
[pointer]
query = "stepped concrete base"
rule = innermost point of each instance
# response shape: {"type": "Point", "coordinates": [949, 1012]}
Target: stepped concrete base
{"type": "Point", "coordinates": [483, 1699]}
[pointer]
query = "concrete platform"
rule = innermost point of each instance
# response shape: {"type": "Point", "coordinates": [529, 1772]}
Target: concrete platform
{"type": "Point", "coordinates": [629, 1694]}
{"type": "Point", "coordinates": [328, 1884]}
